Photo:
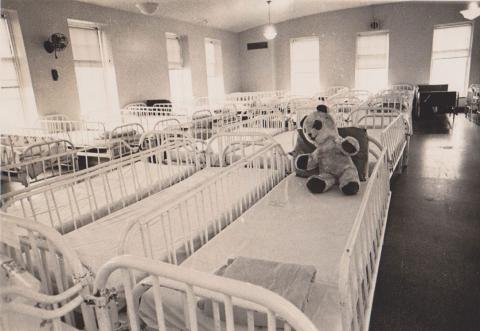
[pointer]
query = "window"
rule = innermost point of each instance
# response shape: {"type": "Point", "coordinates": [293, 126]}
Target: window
{"type": "Point", "coordinates": [451, 51]}
{"type": "Point", "coordinates": [213, 55]}
{"type": "Point", "coordinates": [91, 72]}
{"type": "Point", "coordinates": [305, 66]}
{"type": "Point", "coordinates": [179, 74]}
{"type": "Point", "coordinates": [371, 71]}
{"type": "Point", "coordinates": [16, 96]}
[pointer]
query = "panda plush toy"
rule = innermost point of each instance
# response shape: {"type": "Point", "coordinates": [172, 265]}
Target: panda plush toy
{"type": "Point", "coordinates": [323, 156]}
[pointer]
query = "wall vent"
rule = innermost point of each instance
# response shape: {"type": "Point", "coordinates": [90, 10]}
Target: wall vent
{"type": "Point", "coordinates": [259, 45]}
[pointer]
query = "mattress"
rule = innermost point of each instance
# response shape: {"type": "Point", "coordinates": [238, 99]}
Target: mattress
{"type": "Point", "coordinates": [97, 242]}
{"type": "Point", "coordinates": [280, 227]}
{"type": "Point", "coordinates": [133, 186]}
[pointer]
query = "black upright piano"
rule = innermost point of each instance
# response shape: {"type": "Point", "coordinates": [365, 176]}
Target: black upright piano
{"type": "Point", "coordinates": [435, 99]}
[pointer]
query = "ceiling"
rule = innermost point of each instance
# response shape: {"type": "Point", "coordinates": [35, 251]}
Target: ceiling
{"type": "Point", "coordinates": [236, 15]}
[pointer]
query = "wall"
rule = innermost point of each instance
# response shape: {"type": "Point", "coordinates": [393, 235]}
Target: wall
{"type": "Point", "coordinates": [411, 32]}
{"type": "Point", "coordinates": [138, 51]}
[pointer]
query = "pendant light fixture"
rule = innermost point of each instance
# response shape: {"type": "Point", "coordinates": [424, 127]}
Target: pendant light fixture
{"type": "Point", "coordinates": [147, 8]}
{"type": "Point", "coordinates": [472, 12]}
{"type": "Point", "coordinates": [270, 31]}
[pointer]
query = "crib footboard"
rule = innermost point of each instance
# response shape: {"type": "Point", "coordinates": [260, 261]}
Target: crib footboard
{"type": "Point", "coordinates": [41, 277]}
{"type": "Point", "coordinates": [229, 299]}
{"type": "Point", "coordinates": [90, 194]}
{"type": "Point", "coordinates": [175, 231]}
{"type": "Point", "coordinates": [41, 161]}
{"type": "Point", "coordinates": [395, 139]}
{"type": "Point", "coordinates": [360, 260]}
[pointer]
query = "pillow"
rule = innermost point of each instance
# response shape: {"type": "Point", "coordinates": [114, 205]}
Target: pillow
{"type": "Point", "coordinates": [361, 158]}
{"type": "Point", "coordinates": [291, 281]}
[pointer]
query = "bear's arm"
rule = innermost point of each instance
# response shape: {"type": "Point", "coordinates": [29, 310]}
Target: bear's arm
{"type": "Point", "coordinates": [349, 146]}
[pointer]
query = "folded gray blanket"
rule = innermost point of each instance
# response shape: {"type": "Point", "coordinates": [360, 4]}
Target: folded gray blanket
{"type": "Point", "coordinates": [291, 281]}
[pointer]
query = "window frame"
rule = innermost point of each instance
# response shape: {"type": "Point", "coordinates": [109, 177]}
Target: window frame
{"type": "Point", "coordinates": [20, 63]}
{"type": "Point", "coordinates": [292, 41]}
{"type": "Point", "coordinates": [105, 60]}
{"type": "Point", "coordinates": [387, 66]}
{"type": "Point", "coordinates": [218, 65]}
{"type": "Point", "coordinates": [469, 58]}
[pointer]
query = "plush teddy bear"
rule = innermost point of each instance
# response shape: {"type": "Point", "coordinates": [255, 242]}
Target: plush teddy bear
{"type": "Point", "coordinates": [324, 157]}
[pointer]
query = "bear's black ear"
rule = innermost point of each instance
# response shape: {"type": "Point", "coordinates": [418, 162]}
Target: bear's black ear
{"type": "Point", "coordinates": [302, 120]}
{"type": "Point", "coordinates": [322, 108]}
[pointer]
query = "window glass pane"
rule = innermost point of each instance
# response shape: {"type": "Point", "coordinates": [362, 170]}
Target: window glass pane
{"type": "Point", "coordinates": [5, 49]}
{"type": "Point", "coordinates": [213, 57]}
{"type": "Point", "coordinates": [85, 44]}
{"type": "Point", "coordinates": [372, 61]}
{"type": "Point", "coordinates": [451, 38]}
{"type": "Point", "coordinates": [174, 52]}
{"type": "Point", "coordinates": [305, 66]}
{"type": "Point", "coordinates": [372, 79]}
{"type": "Point", "coordinates": [90, 74]}
{"type": "Point", "coordinates": [451, 72]}
{"type": "Point", "coordinates": [91, 90]}
{"type": "Point", "coordinates": [11, 110]}
{"type": "Point", "coordinates": [451, 56]}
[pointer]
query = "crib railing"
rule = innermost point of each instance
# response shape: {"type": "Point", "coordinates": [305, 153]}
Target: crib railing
{"type": "Point", "coordinates": [274, 122]}
{"type": "Point", "coordinates": [403, 87]}
{"type": "Point", "coordinates": [176, 230]}
{"type": "Point", "coordinates": [45, 277]}
{"type": "Point", "coordinates": [87, 195]}
{"type": "Point", "coordinates": [148, 116]}
{"type": "Point", "coordinates": [40, 161]}
{"type": "Point", "coordinates": [395, 138]}
{"type": "Point", "coordinates": [360, 260]}
{"type": "Point", "coordinates": [193, 286]}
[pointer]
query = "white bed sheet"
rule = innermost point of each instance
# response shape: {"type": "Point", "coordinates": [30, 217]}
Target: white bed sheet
{"type": "Point", "coordinates": [169, 175]}
{"type": "Point", "coordinates": [99, 241]}
{"type": "Point", "coordinates": [281, 228]}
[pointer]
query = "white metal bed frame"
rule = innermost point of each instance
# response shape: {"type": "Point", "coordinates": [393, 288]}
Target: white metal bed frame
{"type": "Point", "coordinates": [94, 138]}
{"type": "Point", "coordinates": [147, 116]}
{"type": "Point", "coordinates": [37, 255]}
{"type": "Point", "coordinates": [41, 161]}
{"type": "Point", "coordinates": [358, 265]}
{"type": "Point", "coordinates": [104, 201]}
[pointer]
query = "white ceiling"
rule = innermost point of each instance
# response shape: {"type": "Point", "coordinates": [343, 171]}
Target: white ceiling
{"type": "Point", "coordinates": [236, 15]}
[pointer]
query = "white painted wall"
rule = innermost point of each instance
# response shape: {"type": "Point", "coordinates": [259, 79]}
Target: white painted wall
{"type": "Point", "coordinates": [411, 32]}
{"type": "Point", "coordinates": [138, 51]}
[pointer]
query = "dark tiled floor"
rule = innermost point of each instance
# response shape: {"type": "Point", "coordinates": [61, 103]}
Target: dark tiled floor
{"type": "Point", "coordinates": [429, 276]}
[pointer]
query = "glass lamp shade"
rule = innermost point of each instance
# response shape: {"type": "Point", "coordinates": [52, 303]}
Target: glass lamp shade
{"type": "Point", "coordinates": [270, 32]}
{"type": "Point", "coordinates": [472, 12]}
{"type": "Point", "coordinates": [147, 8]}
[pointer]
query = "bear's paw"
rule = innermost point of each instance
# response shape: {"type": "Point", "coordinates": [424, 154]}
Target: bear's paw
{"type": "Point", "coordinates": [316, 185]}
{"type": "Point", "coordinates": [350, 188]}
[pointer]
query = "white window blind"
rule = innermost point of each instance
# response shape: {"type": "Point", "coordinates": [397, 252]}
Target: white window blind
{"type": "Point", "coordinates": [451, 51]}
{"type": "Point", "coordinates": [213, 56]}
{"type": "Point", "coordinates": [11, 105]}
{"type": "Point", "coordinates": [305, 66]}
{"type": "Point", "coordinates": [90, 72]}
{"type": "Point", "coordinates": [174, 52]}
{"type": "Point", "coordinates": [372, 61]}
{"type": "Point", "coordinates": [179, 75]}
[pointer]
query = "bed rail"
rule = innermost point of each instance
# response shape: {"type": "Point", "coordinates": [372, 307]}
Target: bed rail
{"type": "Point", "coordinates": [192, 286]}
{"type": "Point", "coordinates": [41, 161]}
{"type": "Point", "coordinates": [148, 116]}
{"type": "Point", "coordinates": [176, 230]}
{"type": "Point", "coordinates": [87, 195]}
{"type": "Point", "coordinates": [360, 260]}
{"type": "Point", "coordinates": [37, 255]}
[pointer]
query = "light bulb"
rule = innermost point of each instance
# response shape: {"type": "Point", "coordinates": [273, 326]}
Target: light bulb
{"type": "Point", "coordinates": [270, 32]}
